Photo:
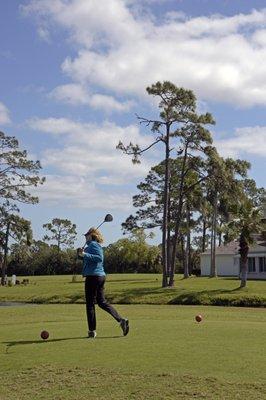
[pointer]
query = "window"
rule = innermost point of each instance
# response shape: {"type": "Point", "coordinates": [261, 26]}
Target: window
{"type": "Point", "coordinates": [251, 264]}
{"type": "Point", "coordinates": [262, 264]}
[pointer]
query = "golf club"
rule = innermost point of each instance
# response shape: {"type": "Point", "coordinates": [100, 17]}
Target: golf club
{"type": "Point", "coordinates": [107, 218]}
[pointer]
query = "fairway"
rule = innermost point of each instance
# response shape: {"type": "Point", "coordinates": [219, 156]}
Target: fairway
{"type": "Point", "coordinates": [167, 354]}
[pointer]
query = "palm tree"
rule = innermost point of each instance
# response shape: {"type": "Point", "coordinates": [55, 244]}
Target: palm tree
{"type": "Point", "coordinates": [245, 226]}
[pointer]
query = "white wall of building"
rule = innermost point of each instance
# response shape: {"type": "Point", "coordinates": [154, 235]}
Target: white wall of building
{"type": "Point", "coordinates": [226, 264]}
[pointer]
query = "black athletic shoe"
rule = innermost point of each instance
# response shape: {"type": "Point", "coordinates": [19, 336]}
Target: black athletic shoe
{"type": "Point", "coordinates": [124, 326]}
{"type": "Point", "coordinates": [92, 334]}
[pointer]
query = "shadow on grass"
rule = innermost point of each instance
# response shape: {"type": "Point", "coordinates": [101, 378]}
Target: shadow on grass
{"type": "Point", "coordinates": [131, 296]}
{"type": "Point", "coordinates": [40, 341]}
{"type": "Point", "coordinates": [22, 342]}
{"type": "Point", "coordinates": [131, 280]}
{"type": "Point", "coordinates": [237, 298]}
{"type": "Point", "coordinates": [109, 337]}
{"type": "Point", "coordinates": [77, 298]}
{"type": "Point", "coordinates": [181, 296]}
{"type": "Point", "coordinates": [200, 297]}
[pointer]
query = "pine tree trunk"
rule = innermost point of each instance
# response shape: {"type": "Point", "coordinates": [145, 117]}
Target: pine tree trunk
{"type": "Point", "coordinates": [186, 261]}
{"type": "Point", "coordinates": [169, 243]}
{"type": "Point", "coordinates": [1, 266]}
{"type": "Point", "coordinates": [204, 228]}
{"type": "Point", "coordinates": [211, 258]}
{"type": "Point", "coordinates": [213, 273]}
{"type": "Point", "coordinates": [219, 239]}
{"type": "Point", "coordinates": [178, 219]}
{"type": "Point", "coordinates": [4, 262]}
{"type": "Point", "coordinates": [174, 247]}
{"type": "Point", "coordinates": [189, 243]}
{"type": "Point", "coordinates": [183, 253]}
{"type": "Point", "coordinates": [187, 257]}
{"type": "Point", "coordinates": [165, 260]}
{"type": "Point", "coordinates": [58, 243]}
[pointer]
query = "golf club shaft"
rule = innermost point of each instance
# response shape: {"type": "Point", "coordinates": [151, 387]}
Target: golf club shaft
{"type": "Point", "coordinates": [100, 224]}
{"type": "Point", "coordinates": [108, 218]}
{"type": "Point", "coordinates": [96, 228]}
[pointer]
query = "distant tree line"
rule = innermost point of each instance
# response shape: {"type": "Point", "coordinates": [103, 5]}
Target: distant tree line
{"type": "Point", "coordinates": [127, 255]}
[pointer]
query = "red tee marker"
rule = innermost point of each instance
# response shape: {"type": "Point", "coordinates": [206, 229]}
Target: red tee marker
{"type": "Point", "coordinates": [44, 335]}
{"type": "Point", "coordinates": [198, 318]}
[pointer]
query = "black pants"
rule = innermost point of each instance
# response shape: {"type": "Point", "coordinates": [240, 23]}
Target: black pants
{"type": "Point", "coordinates": [94, 292]}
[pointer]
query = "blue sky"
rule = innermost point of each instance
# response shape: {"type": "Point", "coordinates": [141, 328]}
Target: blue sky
{"type": "Point", "coordinates": [73, 74]}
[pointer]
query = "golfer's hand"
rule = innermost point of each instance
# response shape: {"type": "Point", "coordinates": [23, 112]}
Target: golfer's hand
{"type": "Point", "coordinates": [80, 252]}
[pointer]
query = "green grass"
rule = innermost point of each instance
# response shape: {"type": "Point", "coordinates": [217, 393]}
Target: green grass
{"type": "Point", "coordinates": [167, 355]}
{"type": "Point", "coordinates": [142, 289]}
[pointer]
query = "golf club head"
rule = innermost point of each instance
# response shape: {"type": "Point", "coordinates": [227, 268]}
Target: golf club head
{"type": "Point", "coordinates": [108, 218]}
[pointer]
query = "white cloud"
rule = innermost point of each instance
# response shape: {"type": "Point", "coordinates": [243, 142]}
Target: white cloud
{"type": "Point", "coordinates": [246, 141]}
{"type": "Point", "coordinates": [259, 37]}
{"type": "Point", "coordinates": [4, 114]}
{"type": "Point", "coordinates": [78, 192]}
{"type": "Point", "coordinates": [101, 136]}
{"type": "Point", "coordinates": [88, 20]}
{"type": "Point", "coordinates": [44, 33]}
{"type": "Point", "coordinates": [109, 103]}
{"type": "Point", "coordinates": [71, 93]}
{"type": "Point", "coordinates": [221, 58]}
{"type": "Point", "coordinates": [56, 126]}
{"type": "Point", "coordinates": [76, 94]}
{"type": "Point", "coordinates": [87, 153]}
{"type": "Point", "coordinates": [175, 16]}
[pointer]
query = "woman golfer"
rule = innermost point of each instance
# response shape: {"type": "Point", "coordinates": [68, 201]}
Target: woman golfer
{"type": "Point", "coordinates": [93, 271]}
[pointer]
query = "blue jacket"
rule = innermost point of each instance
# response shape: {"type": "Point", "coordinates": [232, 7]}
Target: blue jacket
{"type": "Point", "coordinates": [93, 259]}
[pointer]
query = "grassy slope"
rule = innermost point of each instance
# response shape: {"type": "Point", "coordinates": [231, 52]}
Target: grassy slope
{"type": "Point", "coordinates": [141, 289]}
{"type": "Point", "coordinates": [167, 355]}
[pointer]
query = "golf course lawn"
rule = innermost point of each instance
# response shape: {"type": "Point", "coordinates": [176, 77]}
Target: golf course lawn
{"type": "Point", "coordinates": [167, 354]}
{"type": "Point", "coordinates": [140, 289]}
